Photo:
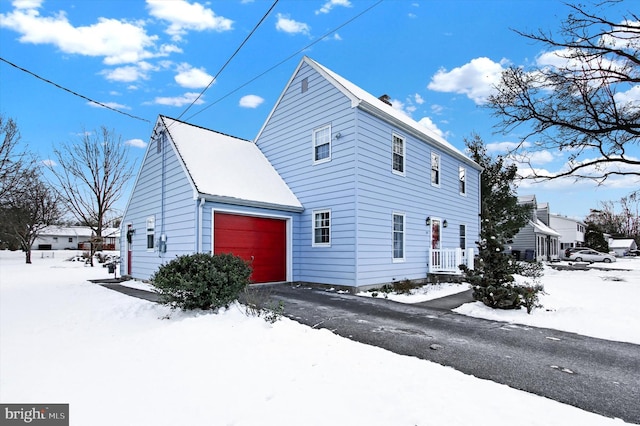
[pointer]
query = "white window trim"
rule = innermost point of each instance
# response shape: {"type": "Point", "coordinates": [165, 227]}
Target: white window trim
{"type": "Point", "coordinates": [466, 182]}
{"type": "Point", "coordinates": [437, 185]}
{"type": "Point", "coordinates": [404, 155]}
{"type": "Point", "coordinates": [152, 220]}
{"type": "Point", "coordinates": [313, 144]}
{"type": "Point", "coordinates": [404, 238]}
{"type": "Point", "coordinates": [313, 228]}
{"type": "Point", "coordinates": [465, 235]}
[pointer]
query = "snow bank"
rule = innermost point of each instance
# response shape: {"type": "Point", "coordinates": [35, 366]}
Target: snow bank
{"type": "Point", "coordinates": [121, 360]}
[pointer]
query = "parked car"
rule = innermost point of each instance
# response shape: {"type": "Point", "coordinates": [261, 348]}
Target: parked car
{"type": "Point", "coordinates": [572, 250]}
{"type": "Point", "coordinates": [591, 256]}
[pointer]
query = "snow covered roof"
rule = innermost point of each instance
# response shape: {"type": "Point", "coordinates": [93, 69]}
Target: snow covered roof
{"type": "Point", "coordinates": [527, 199]}
{"type": "Point", "coordinates": [365, 100]}
{"type": "Point", "coordinates": [623, 244]}
{"type": "Point", "coordinates": [229, 169]}
{"type": "Point", "coordinates": [541, 228]}
{"type": "Point", "coordinates": [66, 231]}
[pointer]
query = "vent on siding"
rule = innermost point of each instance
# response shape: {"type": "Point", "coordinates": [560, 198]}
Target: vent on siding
{"type": "Point", "coordinates": [304, 85]}
{"type": "Point", "coordinates": [386, 99]}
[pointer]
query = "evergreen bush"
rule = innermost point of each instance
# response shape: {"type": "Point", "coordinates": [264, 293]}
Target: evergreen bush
{"type": "Point", "coordinates": [202, 281]}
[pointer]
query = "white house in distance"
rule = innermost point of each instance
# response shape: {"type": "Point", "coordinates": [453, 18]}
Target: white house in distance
{"type": "Point", "coordinates": [338, 188]}
{"type": "Point", "coordinates": [571, 231]}
{"type": "Point", "coordinates": [57, 237]}
{"type": "Point", "coordinates": [622, 246]}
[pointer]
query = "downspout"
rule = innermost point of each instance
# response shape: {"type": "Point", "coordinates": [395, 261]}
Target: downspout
{"type": "Point", "coordinates": [200, 220]}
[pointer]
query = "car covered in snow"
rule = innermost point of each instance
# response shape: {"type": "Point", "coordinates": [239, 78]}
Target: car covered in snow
{"type": "Point", "coordinates": [589, 255]}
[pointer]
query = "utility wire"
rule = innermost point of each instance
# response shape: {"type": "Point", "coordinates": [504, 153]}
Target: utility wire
{"type": "Point", "coordinates": [72, 92]}
{"type": "Point", "coordinates": [328, 33]}
{"type": "Point", "coordinates": [230, 58]}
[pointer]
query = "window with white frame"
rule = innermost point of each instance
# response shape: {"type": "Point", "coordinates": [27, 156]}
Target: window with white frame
{"type": "Point", "coordinates": [398, 155]}
{"type": "Point", "coordinates": [321, 228]}
{"type": "Point", "coordinates": [322, 144]}
{"type": "Point", "coordinates": [398, 236]}
{"type": "Point", "coordinates": [462, 180]}
{"type": "Point", "coordinates": [304, 86]}
{"type": "Point", "coordinates": [435, 169]}
{"type": "Point", "coordinates": [463, 237]}
{"type": "Point", "coordinates": [151, 227]}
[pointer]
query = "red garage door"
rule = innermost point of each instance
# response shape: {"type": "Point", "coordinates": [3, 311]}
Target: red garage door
{"type": "Point", "coordinates": [262, 241]}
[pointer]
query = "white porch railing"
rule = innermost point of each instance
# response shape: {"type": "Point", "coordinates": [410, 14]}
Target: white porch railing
{"type": "Point", "coordinates": [446, 261]}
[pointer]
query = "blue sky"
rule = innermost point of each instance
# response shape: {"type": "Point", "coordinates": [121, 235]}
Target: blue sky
{"type": "Point", "coordinates": [436, 59]}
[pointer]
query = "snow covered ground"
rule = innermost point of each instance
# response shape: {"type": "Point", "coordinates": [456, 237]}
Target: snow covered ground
{"type": "Point", "coordinates": [121, 360]}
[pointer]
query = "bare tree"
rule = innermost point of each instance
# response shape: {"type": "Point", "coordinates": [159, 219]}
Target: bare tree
{"type": "Point", "coordinates": [27, 209]}
{"type": "Point", "coordinates": [11, 160]}
{"type": "Point", "coordinates": [581, 100]}
{"type": "Point", "coordinates": [91, 175]}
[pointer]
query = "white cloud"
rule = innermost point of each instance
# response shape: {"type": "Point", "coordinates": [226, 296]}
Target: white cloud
{"type": "Point", "coordinates": [117, 41]}
{"type": "Point", "coordinates": [126, 74]}
{"type": "Point", "coordinates": [475, 79]}
{"type": "Point", "coordinates": [430, 125]}
{"type": "Point", "coordinates": [113, 105]}
{"type": "Point", "coordinates": [192, 78]}
{"type": "Point", "coordinates": [49, 163]}
{"type": "Point", "coordinates": [178, 101]}
{"type": "Point", "coordinates": [136, 143]}
{"type": "Point", "coordinates": [418, 99]}
{"type": "Point", "coordinates": [437, 109]}
{"type": "Point", "coordinates": [251, 101]}
{"type": "Point", "coordinates": [290, 26]}
{"type": "Point", "coordinates": [630, 98]}
{"type": "Point", "coordinates": [184, 16]}
{"type": "Point", "coordinates": [330, 4]}
{"type": "Point", "coordinates": [505, 147]}
{"type": "Point", "coordinates": [27, 4]}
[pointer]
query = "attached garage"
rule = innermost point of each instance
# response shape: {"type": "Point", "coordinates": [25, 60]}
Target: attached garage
{"type": "Point", "coordinates": [259, 240]}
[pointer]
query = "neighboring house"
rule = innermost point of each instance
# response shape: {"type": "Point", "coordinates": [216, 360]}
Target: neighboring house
{"type": "Point", "coordinates": [622, 247]}
{"type": "Point", "coordinates": [73, 238]}
{"type": "Point", "coordinates": [571, 231]}
{"type": "Point", "coordinates": [536, 240]}
{"type": "Point", "coordinates": [339, 188]}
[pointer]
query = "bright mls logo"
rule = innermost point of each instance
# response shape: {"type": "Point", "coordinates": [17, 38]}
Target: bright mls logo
{"type": "Point", "coordinates": [36, 414]}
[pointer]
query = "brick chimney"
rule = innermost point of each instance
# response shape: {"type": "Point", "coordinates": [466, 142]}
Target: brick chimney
{"type": "Point", "coordinates": [386, 99]}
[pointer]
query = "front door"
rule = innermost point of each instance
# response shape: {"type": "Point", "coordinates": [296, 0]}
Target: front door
{"type": "Point", "coordinates": [436, 229]}
{"type": "Point", "coordinates": [129, 247]}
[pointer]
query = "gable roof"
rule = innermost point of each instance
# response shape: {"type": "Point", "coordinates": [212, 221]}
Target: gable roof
{"type": "Point", "coordinates": [360, 98]}
{"type": "Point", "coordinates": [228, 169]}
{"type": "Point", "coordinates": [623, 244]}
{"type": "Point", "coordinates": [541, 228]}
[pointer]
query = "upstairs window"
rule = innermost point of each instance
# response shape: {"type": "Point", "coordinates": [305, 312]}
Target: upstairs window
{"type": "Point", "coordinates": [435, 169]}
{"type": "Point", "coordinates": [462, 176]}
{"type": "Point", "coordinates": [398, 155]}
{"type": "Point", "coordinates": [304, 86]}
{"type": "Point", "coordinates": [322, 144]}
{"type": "Point", "coordinates": [321, 228]}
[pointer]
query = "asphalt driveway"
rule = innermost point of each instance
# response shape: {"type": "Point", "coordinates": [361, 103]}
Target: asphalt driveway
{"type": "Point", "coordinates": [596, 375]}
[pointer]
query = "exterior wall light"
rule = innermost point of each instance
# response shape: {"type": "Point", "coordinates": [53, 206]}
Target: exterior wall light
{"type": "Point", "coordinates": [428, 221]}
{"type": "Point", "coordinates": [445, 224]}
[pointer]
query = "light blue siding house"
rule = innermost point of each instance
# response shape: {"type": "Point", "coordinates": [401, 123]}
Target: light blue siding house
{"type": "Point", "coordinates": [362, 193]}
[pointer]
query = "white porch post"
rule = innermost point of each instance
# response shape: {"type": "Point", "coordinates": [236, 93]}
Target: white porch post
{"type": "Point", "coordinates": [470, 256]}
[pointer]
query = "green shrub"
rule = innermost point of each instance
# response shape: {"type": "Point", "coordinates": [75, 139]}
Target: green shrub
{"type": "Point", "coordinates": [202, 281]}
{"type": "Point", "coordinates": [506, 293]}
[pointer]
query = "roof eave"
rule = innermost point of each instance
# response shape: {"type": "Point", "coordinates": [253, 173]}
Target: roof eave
{"type": "Point", "coordinates": [377, 112]}
{"type": "Point", "coordinates": [251, 203]}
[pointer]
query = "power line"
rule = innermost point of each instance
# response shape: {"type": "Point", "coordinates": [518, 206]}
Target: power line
{"type": "Point", "coordinates": [327, 34]}
{"type": "Point", "coordinates": [230, 58]}
{"type": "Point", "coordinates": [71, 91]}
